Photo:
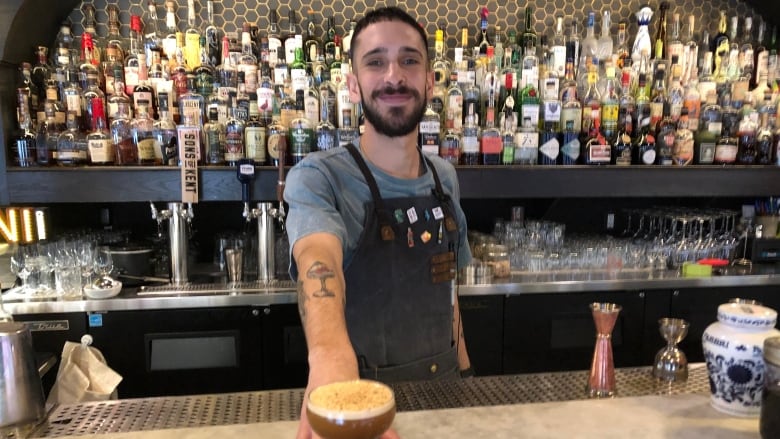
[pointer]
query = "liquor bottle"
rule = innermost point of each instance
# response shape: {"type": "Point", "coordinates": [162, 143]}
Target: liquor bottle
{"type": "Point", "coordinates": [89, 65]}
{"type": "Point", "coordinates": [247, 62]}
{"type": "Point", "coordinates": [169, 42]}
{"type": "Point", "coordinates": [64, 55]}
{"type": "Point", "coordinates": [719, 46]}
{"type": "Point", "coordinates": [328, 98]}
{"type": "Point", "coordinates": [529, 95]}
{"type": "Point", "coordinates": [573, 46]}
{"type": "Point", "coordinates": [277, 141]}
{"type": "Point", "coordinates": [205, 72]}
{"type": "Point", "coordinates": [47, 133]}
{"type": "Point", "coordinates": [622, 146]}
{"type": "Point", "coordinates": [470, 138]}
{"type": "Point", "coordinates": [730, 117]}
{"type": "Point", "coordinates": [214, 133]}
{"type": "Point", "coordinates": [99, 144]}
{"type": "Point", "coordinates": [164, 130]}
{"type": "Point", "coordinates": [727, 146]}
{"type": "Point", "coordinates": [471, 94]}
{"type": "Point", "coordinates": [325, 131]}
{"type": "Point", "coordinates": [760, 56]}
{"type": "Point", "coordinates": [570, 151]}
{"type": "Point", "coordinates": [682, 153]}
{"type": "Point", "coordinates": [92, 92]}
{"type": "Point", "coordinates": [441, 72]}
{"type": "Point", "coordinates": [657, 99]}
{"type": "Point", "coordinates": [571, 108]}
{"type": "Point", "coordinates": [345, 108]}
{"type": "Point", "coordinates": [746, 140]}
{"type": "Point", "coordinates": [143, 134]}
{"type": "Point", "coordinates": [132, 62]}
{"type": "Point", "coordinates": [346, 42]}
{"type": "Point", "coordinates": [242, 100]}
{"type": "Point", "coordinates": [605, 43]}
{"type": "Point", "coordinates": [192, 106]}
{"type": "Point", "coordinates": [733, 65]}
{"type": "Point", "coordinates": [430, 131]}
{"type": "Point", "coordinates": [590, 43]}
{"type": "Point", "coordinates": [674, 47]}
{"type": "Point", "coordinates": [498, 49]}
{"type": "Point", "coordinates": [692, 102]}
{"type": "Point", "coordinates": [212, 34]}
{"type": "Point", "coordinates": [330, 42]}
{"type": "Point", "coordinates": [298, 74]}
{"type": "Point", "coordinates": [142, 91]}
{"type": "Point", "coordinates": [24, 151]}
{"type": "Point", "coordinates": [508, 136]}
{"type": "Point", "coordinates": [490, 85]}
{"type": "Point", "coordinates": [596, 150]}
{"type": "Point", "coordinates": [620, 53]}
{"type": "Point", "coordinates": [764, 136]}
{"type": "Point", "coordinates": [676, 92]}
{"type": "Point", "coordinates": [591, 106]}
{"type": "Point", "coordinates": [490, 143]}
{"type": "Point", "coordinates": [337, 73]}
{"type": "Point", "coordinates": [234, 139]}
{"type": "Point", "coordinates": [71, 144]}
{"type": "Point", "coordinates": [527, 143]}
{"type": "Point", "coordinates": [114, 39]}
{"type": "Point", "coordinates": [550, 141]}
{"type": "Point", "coordinates": [690, 52]}
{"type": "Point", "coordinates": [41, 72]}
{"type": "Point", "coordinates": [645, 150]}
{"type": "Point", "coordinates": [275, 47]}
{"type": "Point", "coordinates": [255, 134]}
{"type": "Point", "coordinates": [117, 98]}
{"type": "Point", "coordinates": [25, 84]}
{"type": "Point", "coordinates": [665, 133]}
{"type": "Point", "coordinates": [453, 119]}
{"type": "Point", "coordinates": [301, 135]}
{"type": "Point", "coordinates": [122, 136]}
{"type": "Point", "coordinates": [72, 99]}
{"type": "Point", "coordinates": [311, 101]}
{"type": "Point", "coordinates": [746, 59]}
{"type": "Point", "coordinates": [659, 40]}
{"type": "Point", "coordinates": [558, 48]}
{"type": "Point", "coordinates": [152, 40]}
{"type": "Point", "coordinates": [484, 41]}
{"type": "Point", "coordinates": [710, 127]}
{"type": "Point", "coordinates": [311, 42]}
{"type": "Point", "coordinates": [191, 38]}
{"type": "Point", "coordinates": [627, 108]}
{"type": "Point", "coordinates": [706, 80]}
{"type": "Point", "coordinates": [610, 104]}
{"type": "Point", "coordinates": [293, 37]}
{"type": "Point", "coordinates": [265, 95]}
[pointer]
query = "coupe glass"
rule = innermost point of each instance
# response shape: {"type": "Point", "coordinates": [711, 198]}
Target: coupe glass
{"type": "Point", "coordinates": [359, 409]}
{"type": "Point", "coordinates": [104, 263]}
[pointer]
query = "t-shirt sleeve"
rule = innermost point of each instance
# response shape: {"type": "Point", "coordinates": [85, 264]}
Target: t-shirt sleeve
{"type": "Point", "coordinates": [312, 207]}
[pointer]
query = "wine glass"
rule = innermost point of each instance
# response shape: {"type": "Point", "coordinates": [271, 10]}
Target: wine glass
{"type": "Point", "coordinates": [19, 266]}
{"type": "Point", "coordinates": [104, 262]}
{"type": "Point", "coordinates": [358, 409]}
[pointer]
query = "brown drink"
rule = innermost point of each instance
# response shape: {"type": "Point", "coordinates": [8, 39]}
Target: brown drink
{"type": "Point", "coordinates": [360, 409]}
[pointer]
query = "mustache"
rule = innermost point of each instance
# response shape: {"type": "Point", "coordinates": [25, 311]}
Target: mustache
{"type": "Point", "coordinates": [395, 90]}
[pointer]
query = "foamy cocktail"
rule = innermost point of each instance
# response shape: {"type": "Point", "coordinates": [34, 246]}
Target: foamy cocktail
{"type": "Point", "coordinates": [359, 409]}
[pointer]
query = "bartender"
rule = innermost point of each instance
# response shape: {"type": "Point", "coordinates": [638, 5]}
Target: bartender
{"type": "Point", "coordinates": [376, 232]}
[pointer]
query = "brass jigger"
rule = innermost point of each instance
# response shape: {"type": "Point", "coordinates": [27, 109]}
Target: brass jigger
{"type": "Point", "coordinates": [670, 362]}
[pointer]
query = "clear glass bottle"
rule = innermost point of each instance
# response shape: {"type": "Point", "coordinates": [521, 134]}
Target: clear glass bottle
{"type": "Point", "coordinates": [255, 135]}
{"type": "Point", "coordinates": [590, 43]}
{"type": "Point", "coordinates": [212, 34]}
{"type": "Point", "coordinates": [675, 45]}
{"type": "Point", "coordinates": [122, 136]}
{"type": "Point", "coordinates": [48, 131]}
{"type": "Point", "coordinates": [665, 133]}
{"type": "Point", "coordinates": [709, 131]}
{"type": "Point", "coordinates": [71, 144]}
{"type": "Point", "coordinates": [558, 48]}
{"type": "Point", "coordinates": [453, 119]}
{"type": "Point", "coordinates": [610, 104]}
{"type": "Point", "coordinates": [490, 143]}
{"type": "Point", "coordinates": [596, 150]}
{"type": "Point", "coordinates": [746, 139]}
{"type": "Point", "coordinates": [191, 38]}
{"type": "Point", "coordinates": [311, 41]}
{"type": "Point", "coordinates": [470, 138]}
{"type": "Point", "coordinates": [277, 142]}
{"type": "Point", "coordinates": [132, 61]}
{"type": "Point", "coordinates": [527, 143]}
{"type": "Point", "coordinates": [143, 135]}
{"type": "Point", "coordinates": [99, 144]}
{"type": "Point", "coordinates": [682, 153]}
{"type": "Point", "coordinates": [275, 47]}
{"type": "Point", "coordinates": [570, 151]}
{"type": "Point", "coordinates": [214, 133]}
{"type": "Point", "coordinates": [605, 42]}
{"type": "Point", "coordinates": [529, 80]}
{"type": "Point", "coordinates": [165, 133]}
{"type": "Point", "coordinates": [430, 131]}
{"type": "Point", "coordinates": [325, 131]}
{"type": "Point", "coordinates": [234, 139]}
{"type": "Point", "coordinates": [301, 132]}
{"type": "Point", "coordinates": [293, 38]}
{"type": "Point", "coordinates": [192, 106]}
{"type": "Point", "coordinates": [24, 151]}
{"type": "Point", "coordinates": [764, 137]}
{"type": "Point", "coordinates": [265, 95]}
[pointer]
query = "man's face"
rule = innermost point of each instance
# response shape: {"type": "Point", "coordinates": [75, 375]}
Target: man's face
{"type": "Point", "coordinates": [391, 77]}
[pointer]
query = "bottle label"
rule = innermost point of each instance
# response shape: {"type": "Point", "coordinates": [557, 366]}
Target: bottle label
{"type": "Point", "coordinates": [131, 79]}
{"type": "Point", "coordinates": [559, 60]}
{"type": "Point", "coordinates": [492, 145]}
{"type": "Point", "coordinates": [274, 44]}
{"type": "Point", "coordinates": [623, 152]}
{"type": "Point", "coordinates": [551, 148]}
{"type": "Point", "coordinates": [101, 150]}
{"type": "Point", "coordinates": [573, 114]}
{"type": "Point", "coordinates": [437, 103]}
{"type": "Point", "coordinates": [470, 143]}
{"type": "Point", "coordinates": [301, 142]}
{"type": "Point", "coordinates": [571, 149]}
{"type": "Point", "coordinates": [430, 138]}
{"type": "Point", "coordinates": [715, 127]}
{"type": "Point", "coordinates": [73, 102]}
{"type": "Point", "coordinates": [311, 106]}
{"type": "Point", "coordinates": [609, 114]}
{"type": "Point", "coordinates": [725, 153]}
{"type": "Point", "coordinates": [454, 118]}
{"type": "Point", "coordinates": [599, 153]}
{"type": "Point", "coordinates": [683, 151]}
{"type": "Point", "coordinates": [234, 147]}
{"type": "Point", "coordinates": [214, 143]}
{"type": "Point", "coordinates": [656, 113]}
{"type": "Point", "coordinates": [326, 139]}
{"type": "Point", "coordinates": [280, 74]}
{"type": "Point", "coordinates": [277, 141]}
{"type": "Point", "coordinates": [298, 79]}
{"type": "Point", "coordinates": [552, 111]}
{"type": "Point", "coordinates": [531, 111]}
{"type": "Point", "coordinates": [706, 153]}
{"type": "Point", "coordinates": [67, 156]}
{"type": "Point", "coordinates": [526, 147]}
{"type": "Point", "coordinates": [265, 99]}
{"type": "Point", "coordinates": [146, 148]}
{"type": "Point", "coordinates": [254, 139]}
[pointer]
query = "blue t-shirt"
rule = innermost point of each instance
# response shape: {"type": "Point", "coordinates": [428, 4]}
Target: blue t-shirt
{"type": "Point", "coordinates": [326, 192]}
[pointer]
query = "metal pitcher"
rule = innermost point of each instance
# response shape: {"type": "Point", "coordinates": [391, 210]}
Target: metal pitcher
{"type": "Point", "coordinates": [21, 391]}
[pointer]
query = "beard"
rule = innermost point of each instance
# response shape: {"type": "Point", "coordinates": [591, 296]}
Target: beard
{"type": "Point", "coordinates": [397, 122]}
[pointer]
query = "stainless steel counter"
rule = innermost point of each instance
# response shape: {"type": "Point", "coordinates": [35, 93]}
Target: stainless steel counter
{"type": "Point", "coordinates": [132, 415]}
{"type": "Point", "coordinates": [256, 294]}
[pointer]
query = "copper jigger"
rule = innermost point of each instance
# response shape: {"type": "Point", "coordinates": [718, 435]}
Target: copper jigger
{"type": "Point", "coordinates": [601, 382]}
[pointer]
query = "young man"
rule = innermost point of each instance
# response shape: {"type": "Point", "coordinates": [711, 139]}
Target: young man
{"type": "Point", "coordinates": [377, 233]}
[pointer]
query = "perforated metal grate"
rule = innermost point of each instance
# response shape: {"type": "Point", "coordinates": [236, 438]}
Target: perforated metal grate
{"type": "Point", "coordinates": [284, 405]}
{"type": "Point", "coordinates": [217, 288]}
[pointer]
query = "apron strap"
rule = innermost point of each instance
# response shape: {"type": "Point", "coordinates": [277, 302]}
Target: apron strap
{"type": "Point", "coordinates": [444, 198]}
{"type": "Point", "coordinates": [385, 223]}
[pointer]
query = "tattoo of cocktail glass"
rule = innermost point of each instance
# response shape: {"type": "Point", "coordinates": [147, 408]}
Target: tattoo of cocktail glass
{"type": "Point", "coordinates": [322, 272]}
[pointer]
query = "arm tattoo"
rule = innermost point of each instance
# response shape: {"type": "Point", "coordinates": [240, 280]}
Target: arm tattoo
{"type": "Point", "coordinates": [320, 271]}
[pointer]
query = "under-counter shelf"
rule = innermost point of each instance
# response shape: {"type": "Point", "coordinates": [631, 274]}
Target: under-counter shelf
{"type": "Point", "coordinates": [128, 184]}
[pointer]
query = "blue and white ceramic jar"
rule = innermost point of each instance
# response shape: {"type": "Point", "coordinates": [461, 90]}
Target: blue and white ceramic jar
{"type": "Point", "coordinates": [733, 350]}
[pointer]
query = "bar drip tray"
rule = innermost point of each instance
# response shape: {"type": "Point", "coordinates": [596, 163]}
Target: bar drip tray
{"type": "Point", "coordinates": [210, 289]}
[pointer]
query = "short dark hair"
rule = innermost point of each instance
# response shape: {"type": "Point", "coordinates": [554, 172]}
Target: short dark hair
{"type": "Point", "coordinates": [388, 13]}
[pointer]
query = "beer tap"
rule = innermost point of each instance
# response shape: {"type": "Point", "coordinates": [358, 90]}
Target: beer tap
{"type": "Point", "coordinates": [179, 220]}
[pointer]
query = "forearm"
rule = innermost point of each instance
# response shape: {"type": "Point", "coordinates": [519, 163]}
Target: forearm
{"type": "Point", "coordinates": [321, 299]}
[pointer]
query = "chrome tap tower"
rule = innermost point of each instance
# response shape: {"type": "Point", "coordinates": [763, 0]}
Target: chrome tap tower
{"type": "Point", "coordinates": [179, 218]}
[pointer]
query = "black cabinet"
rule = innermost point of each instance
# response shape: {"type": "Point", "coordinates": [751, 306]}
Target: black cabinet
{"type": "Point", "coordinates": [483, 327]}
{"type": "Point", "coordinates": [285, 362]}
{"type": "Point", "coordinates": [549, 332]}
{"type": "Point", "coordinates": [182, 351]}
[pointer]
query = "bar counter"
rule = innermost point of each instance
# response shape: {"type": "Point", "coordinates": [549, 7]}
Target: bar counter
{"type": "Point", "coordinates": [548, 405]}
{"type": "Point", "coordinates": [206, 295]}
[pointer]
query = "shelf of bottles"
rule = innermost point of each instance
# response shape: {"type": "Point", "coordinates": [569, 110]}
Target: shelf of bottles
{"type": "Point", "coordinates": [529, 101]}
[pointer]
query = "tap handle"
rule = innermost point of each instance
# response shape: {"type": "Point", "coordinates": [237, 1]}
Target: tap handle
{"type": "Point", "coordinates": [155, 214]}
{"type": "Point", "coordinates": [245, 174]}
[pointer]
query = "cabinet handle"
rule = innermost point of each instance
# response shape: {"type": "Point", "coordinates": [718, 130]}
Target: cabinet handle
{"type": "Point", "coordinates": [676, 293]}
{"type": "Point", "coordinates": [255, 312]}
{"type": "Point", "coordinates": [267, 310]}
